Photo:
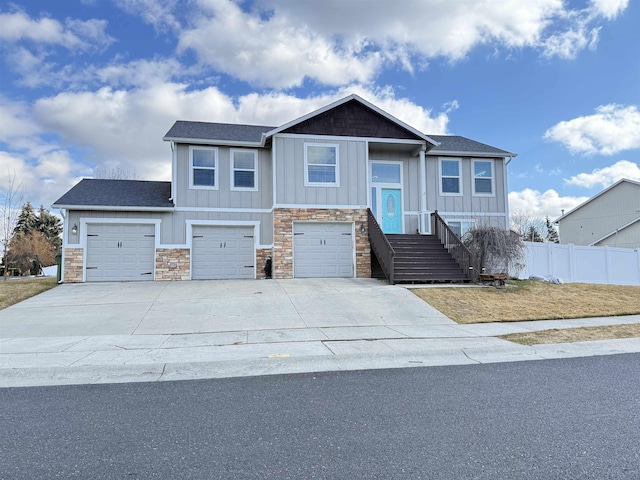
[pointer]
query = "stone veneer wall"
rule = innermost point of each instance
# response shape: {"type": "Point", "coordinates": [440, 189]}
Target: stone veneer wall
{"type": "Point", "coordinates": [73, 265]}
{"type": "Point", "coordinates": [283, 219]}
{"type": "Point", "coordinates": [173, 264]}
{"type": "Point", "coordinates": [261, 259]}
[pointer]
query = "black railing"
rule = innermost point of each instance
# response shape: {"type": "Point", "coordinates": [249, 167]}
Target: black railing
{"type": "Point", "coordinates": [381, 247]}
{"type": "Point", "coordinates": [453, 244]}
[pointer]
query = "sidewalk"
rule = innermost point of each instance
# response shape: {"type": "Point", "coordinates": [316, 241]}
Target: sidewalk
{"type": "Point", "coordinates": [63, 360]}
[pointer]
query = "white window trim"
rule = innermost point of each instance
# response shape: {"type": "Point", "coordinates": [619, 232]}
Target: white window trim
{"type": "Point", "coordinates": [471, 221]}
{"type": "Point", "coordinates": [440, 177]}
{"type": "Point", "coordinates": [232, 170]}
{"type": "Point", "coordinates": [215, 168]}
{"type": "Point", "coordinates": [307, 183]}
{"type": "Point", "coordinates": [493, 178]}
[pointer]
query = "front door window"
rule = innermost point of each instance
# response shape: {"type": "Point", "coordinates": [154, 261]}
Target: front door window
{"type": "Point", "coordinates": [386, 195]}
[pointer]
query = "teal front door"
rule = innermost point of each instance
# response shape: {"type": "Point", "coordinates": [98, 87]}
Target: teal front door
{"type": "Point", "coordinates": [391, 210]}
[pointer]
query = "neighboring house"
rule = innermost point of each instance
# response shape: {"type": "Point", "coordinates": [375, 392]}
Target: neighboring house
{"type": "Point", "coordinates": [612, 217]}
{"type": "Point", "coordinates": [298, 193]}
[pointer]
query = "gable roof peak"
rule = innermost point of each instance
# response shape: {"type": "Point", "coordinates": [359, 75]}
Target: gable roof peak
{"type": "Point", "coordinates": [353, 98]}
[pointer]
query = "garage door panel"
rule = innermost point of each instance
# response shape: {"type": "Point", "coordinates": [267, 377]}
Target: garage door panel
{"type": "Point", "coordinates": [222, 252]}
{"type": "Point", "coordinates": [120, 252]}
{"type": "Point", "coordinates": [323, 249]}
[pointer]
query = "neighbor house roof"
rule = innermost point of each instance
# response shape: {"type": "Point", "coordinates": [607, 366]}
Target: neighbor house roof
{"type": "Point", "coordinates": [99, 194]}
{"type": "Point", "coordinates": [457, 145]}
{"type": "Point", "coordinates": [633, 182]}
{"type": "Point", "coordinates": [223, 132]}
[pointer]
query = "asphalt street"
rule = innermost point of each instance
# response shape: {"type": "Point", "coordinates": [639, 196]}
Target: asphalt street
{"type": "Point", "coordinates": [573, 418]}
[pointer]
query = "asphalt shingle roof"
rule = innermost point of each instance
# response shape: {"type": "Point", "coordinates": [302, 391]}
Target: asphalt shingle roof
{"type": "Point", "coordinates": [93, 192]}
{"type": "Point", "coordinates": [217, 131]}
{"type": "Point", "coordinates": [456, 143]}
{"type": "Point", "coordinates": [229, 132]}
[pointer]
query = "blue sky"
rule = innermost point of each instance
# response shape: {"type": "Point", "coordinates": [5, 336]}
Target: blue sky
{"type": "Point", "coordinates": [95, 84]}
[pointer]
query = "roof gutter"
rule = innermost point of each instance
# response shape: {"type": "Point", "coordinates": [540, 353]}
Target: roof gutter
{"type": "Point", "coordinates": [128, 208]}
{"type": "Point", "coordinates": [213, 141]}
{"type": "Point", "coordinates": [442, 153]}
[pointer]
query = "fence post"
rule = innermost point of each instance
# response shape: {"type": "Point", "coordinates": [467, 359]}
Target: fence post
{"type": "Point", "coordinates": [572, 263]}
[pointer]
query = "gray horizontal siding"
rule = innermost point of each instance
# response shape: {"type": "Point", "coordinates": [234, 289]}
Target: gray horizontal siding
{"type": "Point", "coordinates": [613, 209]}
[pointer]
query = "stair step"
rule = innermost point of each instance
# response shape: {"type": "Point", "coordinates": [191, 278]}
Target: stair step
{"type": "Point", "coordinates": [423, 259]}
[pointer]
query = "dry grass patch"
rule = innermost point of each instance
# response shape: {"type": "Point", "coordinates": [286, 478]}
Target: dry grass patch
{"type": "Point", "coordinates": [17, 290]}
{"type": "Point", "coordinates": [530, 300]}
{"type": "Point", "coordinates": [569, 335]}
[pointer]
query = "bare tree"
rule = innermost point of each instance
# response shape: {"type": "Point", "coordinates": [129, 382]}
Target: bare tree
{"type": "Point", "coordinates": [12, 198]}
{"type": "Point", "coordinates": [528, 226]}
{"type": "Point", "coordinates": [114, 173]}
{"type": "Point", "coordinates": [494, 250]}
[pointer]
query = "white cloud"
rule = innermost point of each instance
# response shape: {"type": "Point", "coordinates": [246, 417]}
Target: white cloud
{"type": "Point", "coordinates": [273, 52]}
{"type": "Point", "coordinates": [279, 43]}
{"type": "Point", "coordinates": [613, 128]}
{"type": "Point", "coordinates": [568, 44]}
{"type": "Point", "coordinates": [606, 176]}
{"type": "Point", "coordinates": [609, 8]}
{"type": "Point", "coordinates": [74, 34]}
{"type": "Point", "coordinates": [126, 126]}
{"type": "Point", "coordinates": [42, 179]}
{"type": "Point", "coordinates": [535, 204]}
{"type": "Point", "coordinates": [155, 12]}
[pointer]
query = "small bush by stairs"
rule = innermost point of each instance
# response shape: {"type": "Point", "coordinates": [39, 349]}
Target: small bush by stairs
{"type": "Point", "coordinates": [421, 259]}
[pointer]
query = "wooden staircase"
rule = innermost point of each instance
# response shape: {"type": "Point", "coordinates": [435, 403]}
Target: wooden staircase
{"type": "Point", "coordinates": [421, 259]}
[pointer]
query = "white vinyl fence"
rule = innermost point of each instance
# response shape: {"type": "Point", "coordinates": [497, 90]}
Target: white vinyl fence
{"type": "Point", "coordinates": [582, 264]}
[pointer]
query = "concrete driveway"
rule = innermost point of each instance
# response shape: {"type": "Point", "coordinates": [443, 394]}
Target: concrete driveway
{"type": "Point", "coordinates": [132, 332]}
{"type": "Point", "coordinates": [145, 308]}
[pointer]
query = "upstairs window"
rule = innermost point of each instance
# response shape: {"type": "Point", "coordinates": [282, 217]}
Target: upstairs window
{"type": "Point", "coordinates": [203, 166]}
{"type": "Point", "coordinates": [321, 165]}
{"type": "Point", "coordinates": [483, 177]}
{"type": "Point", "coordinates": [450, 179]}
{"type": "Point", "coordinates": [244, 169]}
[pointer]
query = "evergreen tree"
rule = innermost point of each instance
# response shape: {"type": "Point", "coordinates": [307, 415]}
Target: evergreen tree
{"type": "Point", "coordinates": [50, 226]}
{"type": "Point", "coordinates": [533, 235]}
{"type": "Point", "coordinates": [27, 220]}
{"type": "Point", "coordinates": [552, 233]}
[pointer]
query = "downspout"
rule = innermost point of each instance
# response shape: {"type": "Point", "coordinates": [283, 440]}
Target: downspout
{"type": "Point", "coordinates": [174, 166]}
{"type": "Point", "coordinates": [423, 193]}
{"type": "Point", "coordinates": [65, 232]}
{"type": "Point", "coordinates": [506, 192]}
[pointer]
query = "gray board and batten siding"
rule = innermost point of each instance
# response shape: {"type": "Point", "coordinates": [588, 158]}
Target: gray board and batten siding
{"type": "Point", "coordinates": [467, 202]}
{"type": "Point", "coordinates": [173, 225]}
{"type": "Point", "coordinates": [290, 173]}
{"type": "Point", "coordinates": [223, 196]}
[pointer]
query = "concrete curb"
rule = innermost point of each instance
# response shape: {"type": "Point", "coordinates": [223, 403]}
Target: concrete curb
{"type": "Point", "coordinates": [154, 372]}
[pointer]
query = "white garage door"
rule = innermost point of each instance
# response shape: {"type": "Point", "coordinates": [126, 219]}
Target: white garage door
{"type": "Point", "coordinates": [322, 249]}
{"type": "Point", "coordinates": [120, 252]}
{"type": "Point", "coordinates": [222, 253]}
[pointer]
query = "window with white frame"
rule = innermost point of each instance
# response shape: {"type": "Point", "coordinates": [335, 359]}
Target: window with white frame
{"type": "Point", "coordinates": [450, 177]}
{"type": "Point", "coordinates": [244, 170]}
{"type": "Point", "coordinates": [460, 227]}
{"type": "Point", "coordinates": [483, 177]}
{"type": "Point", "coordinates": [203, 166]}
{"type": "Point", "coordinates": [321, 165]}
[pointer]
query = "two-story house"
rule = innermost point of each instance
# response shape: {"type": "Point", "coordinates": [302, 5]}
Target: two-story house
{"type": "Point", "coordinates": [313, 194]}
{"type": "Point", "coordinates": [609, 218]}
